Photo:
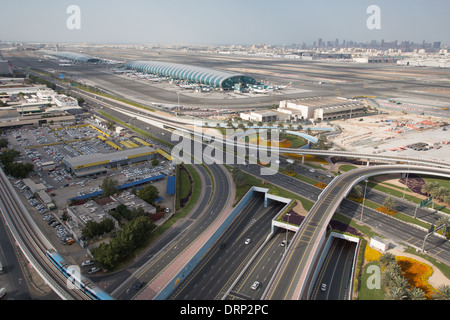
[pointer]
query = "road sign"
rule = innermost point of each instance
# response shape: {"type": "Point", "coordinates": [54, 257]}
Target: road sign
{"type": "Point", "coordinates": [424, 202]}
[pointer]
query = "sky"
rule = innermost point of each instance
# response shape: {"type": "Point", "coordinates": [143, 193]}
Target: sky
{"type": "Point", "coordinates": [279, 22]}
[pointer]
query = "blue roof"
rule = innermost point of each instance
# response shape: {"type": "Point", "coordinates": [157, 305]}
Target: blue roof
{"type": "Point", "coordinates": [135, 183]}
{"type": "Point", "coordinates": [170, 185]}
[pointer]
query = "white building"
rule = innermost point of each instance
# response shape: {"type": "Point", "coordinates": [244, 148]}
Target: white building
{"type": "Point", "coordinates": [64, 101]}
{"type": "Point", "coordinates": [326, 107]}
{"type": "Point", "coordinates": [260, 116]}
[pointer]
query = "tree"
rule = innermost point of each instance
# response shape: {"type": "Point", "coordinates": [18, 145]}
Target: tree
{"type": "Point", "coordinates": [110, 125]}
{"type": "Point", "coordinates": [386, 258]}
{"type": "Point", "coordinates": [416, 294]}
{"type": "Point", "coordinates": [155, 162]}
{"type": "Point", "coordinates": [3, 143]}
{"type": "Point", "coordinates": [440, 193]}
{"type": "Point", "coordinates": [443, 293]}
{"type": "Point", "coordinates": [148, 193]}
{"type": "Point", "coordinates": [290, 168]}
{"type": "Point", "coordinates": [430, 188]}
{"type": "Point", "coordinates": [444, 220]}
{"type": "Point", "coordinates": [109, 186]}
{"type": "Point", "coordinates": [397, 294]}
{"type": "Point", "coordinates": [389, 203]}
{"type": "Point", "coordinates": [358, 190]}
{"type": "Point", "coordinates": [14, 169]}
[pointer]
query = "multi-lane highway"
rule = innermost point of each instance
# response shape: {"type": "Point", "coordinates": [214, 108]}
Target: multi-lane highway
{"type": "Point", "coordinates": [292, 279]}
{"type": "Point", "coordinates": [333, 281]}
{"type": "Point", "coordinates": [229, 256]}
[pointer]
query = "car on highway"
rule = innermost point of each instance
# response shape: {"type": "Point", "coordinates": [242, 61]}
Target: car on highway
{"type": "Point", "coordinates": [283, 243]}
{"type": "Point", "coordinates": [139, 285]}
{"type": "Point", "coordinates": [255, 285]}
{"type": "Point", "coordinates": [323, 287]}
{"type": "Point", "coordinates": [248, 240]}
{"type": "Point", "coordinates": [312, 170]}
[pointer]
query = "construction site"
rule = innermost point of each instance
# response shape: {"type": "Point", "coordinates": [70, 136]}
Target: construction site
{"type": "Point", "coordinates": [395, 133]}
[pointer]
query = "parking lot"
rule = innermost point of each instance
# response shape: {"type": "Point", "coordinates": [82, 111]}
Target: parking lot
{"type": "Point", "coordinates": [46, 148]}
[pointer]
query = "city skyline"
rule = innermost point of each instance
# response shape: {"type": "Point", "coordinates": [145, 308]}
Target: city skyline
{"type": "Point", "coordinates": [200, 22]}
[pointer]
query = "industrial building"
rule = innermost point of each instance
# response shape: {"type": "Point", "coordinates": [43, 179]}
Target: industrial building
{"type": "Point", "coordinates": [320, 108]}
{"type": "Point", "coordinates": [99, 163]}
{"type": "Point", "coordinates": [206, 76]}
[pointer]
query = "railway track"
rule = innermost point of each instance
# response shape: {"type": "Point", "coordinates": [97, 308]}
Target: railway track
{"type": "Point", "coordinates": [32, 242]}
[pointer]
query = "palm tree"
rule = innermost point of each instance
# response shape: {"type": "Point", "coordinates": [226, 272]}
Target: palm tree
{"type": "Point", "coordinates": [429, 188]}
{"type": "Point", "coordinates": [386, 258]}
{"type": "Point", "coordinates": [401, 282]}
{"type": "Point", "coordinates": [397, 294]}
{"type": "Point", "coordinates": [444, 220]}
{"type": "Point", "coordinates": [441, 193]}
{"type": "Point", "coordinates": [416, 294]}
{"type": "Point", "coordinates": [389, 203]}
{"type": "Point", "coordinates": [358, 190]}
{"type": "Point", "coordinates": [443, 293]}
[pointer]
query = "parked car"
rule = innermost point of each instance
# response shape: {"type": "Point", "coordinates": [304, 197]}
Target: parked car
{"type": "Point", "coordinates": [93, 270]}
{"type": "Point", "coordinates": [87, 263]}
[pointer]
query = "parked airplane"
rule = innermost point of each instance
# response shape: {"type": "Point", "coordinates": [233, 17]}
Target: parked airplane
{"type": "Point", "coordinates": [188, 86]}
{"type": "Point", "coordinates": [257, 90]}
{"type": "Point", "coordinates": [153, 79]}
{"type": "Point", "coordinates": [283, 87]}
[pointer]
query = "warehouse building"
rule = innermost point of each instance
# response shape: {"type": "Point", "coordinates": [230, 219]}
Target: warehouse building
{"type": "Point", "coordinates": [320, 108]}
{"type": "Point", "coordinates": [99, 163]}
{"type": "Point", "coordinates": [206, 76]}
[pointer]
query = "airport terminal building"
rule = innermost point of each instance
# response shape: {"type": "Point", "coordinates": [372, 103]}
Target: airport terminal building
{"type": "Point", "coordinates": [72, 56]}
{"type": "Point", "coordinates": [206, 76]}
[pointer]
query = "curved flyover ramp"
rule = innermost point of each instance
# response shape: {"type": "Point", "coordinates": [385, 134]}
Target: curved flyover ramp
{"type": "Point", "coordinates": [292, 278]}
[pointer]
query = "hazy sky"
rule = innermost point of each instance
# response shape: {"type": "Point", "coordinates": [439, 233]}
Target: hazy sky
{"type": "Point", "coordinates": [224, 21]}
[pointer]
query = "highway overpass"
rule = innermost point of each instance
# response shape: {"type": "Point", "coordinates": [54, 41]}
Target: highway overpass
{"type": "Point", "coordinates": [293, 276]}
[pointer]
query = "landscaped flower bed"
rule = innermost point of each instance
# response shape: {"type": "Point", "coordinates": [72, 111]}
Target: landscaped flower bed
{"type": "Point", "coordinates": [417, 274]}
{"type": "Point", "coordinates": [371, 254]}
{"type": "Point", "coordinates": [385, 210]}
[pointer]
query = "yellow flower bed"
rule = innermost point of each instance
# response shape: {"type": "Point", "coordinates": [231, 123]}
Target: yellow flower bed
{"type": "Point", "coordinates": [285, 143]}
{"type": "Point", "coordinates": [385, 210]}
{"type": "Point", "coordinates": [321, 185]}
{"type": "Point", "coordinates": [308, 158]}
{"type": "Point", "coordinates": [417, 274]}
{"type": "Point", "coordinates": [371, 254]}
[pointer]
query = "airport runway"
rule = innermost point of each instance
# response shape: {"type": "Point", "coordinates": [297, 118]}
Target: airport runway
{"type": "Point", "coordinates": [427, 85]}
